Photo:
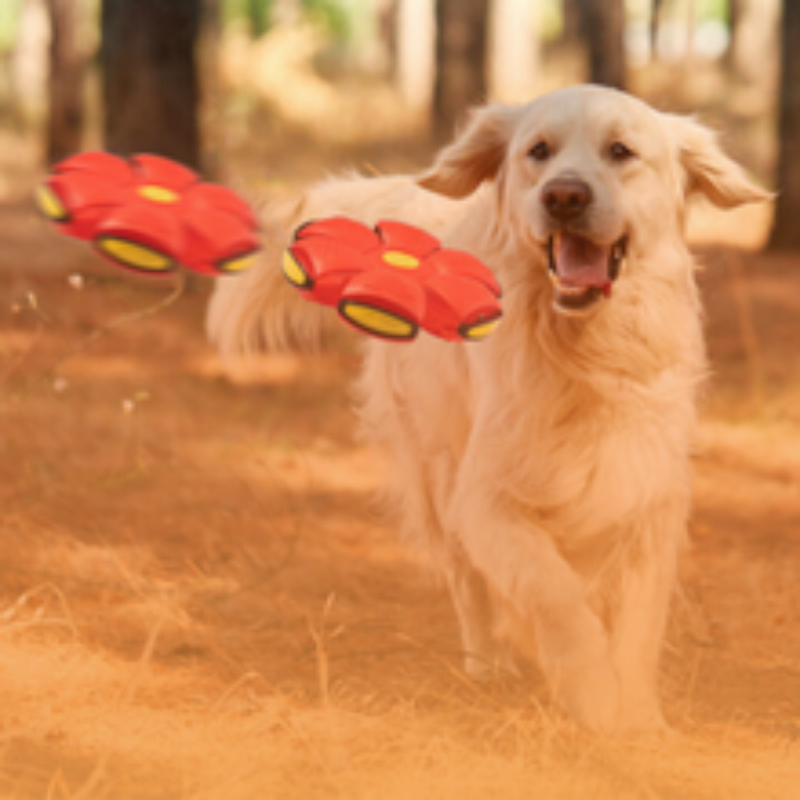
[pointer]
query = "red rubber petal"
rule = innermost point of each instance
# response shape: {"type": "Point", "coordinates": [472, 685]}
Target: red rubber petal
{"type": "Point", "coordinates": [88, 199]}
{"type": "Point", "coordinates": [214, 237]}
{"type": "Point", "coordinates": [159, 171]}
{"type": "Point", "coordinates": [206, 196]}
{"type": "Point", "coordinates": [388, 290]}
{"type": "Point", "coordinates": [456, 263]}
{"type": "Point", "coordinates": [346, 232]}
{"type": "Point", "coordinates": [103, 165]}
{"type": "Point", "coordinates": [455, 302]}
{"type": "Point", "coordinates": [407, 239]}
{"type": "Point", "coordinates": [149, 225]}
{"type": "Point", "coordinates": [330, 265]}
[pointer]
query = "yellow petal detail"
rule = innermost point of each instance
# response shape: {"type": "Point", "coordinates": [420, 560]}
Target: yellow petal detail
{"type": "Point", "coordinates": [135, 255]}
{"type": "Point", "coordinates": [294, 273]}
{"type": "Point", "coordinates": [49, 204]}
{"type": "Point", "coordinates": [401, 260]}
{"type": "Point", "coordinates": [482, 330]}
{"type": "Point", "coordinates": [238, 264]}
{"type": "Point", "coordinates": [377, 321]}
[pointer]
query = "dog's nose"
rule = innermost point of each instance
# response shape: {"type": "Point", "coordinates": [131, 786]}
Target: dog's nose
{"type": "Point", "coordinates": [567, 197]}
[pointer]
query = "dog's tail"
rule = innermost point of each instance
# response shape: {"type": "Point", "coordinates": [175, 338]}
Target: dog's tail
{"type": "Point", "coordinates": [259, 310]}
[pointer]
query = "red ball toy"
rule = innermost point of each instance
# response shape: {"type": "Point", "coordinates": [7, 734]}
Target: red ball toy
{"type": "Point", "coordinates": [150, 214]}
{"type": "Point", "coordinates": [392, 280]}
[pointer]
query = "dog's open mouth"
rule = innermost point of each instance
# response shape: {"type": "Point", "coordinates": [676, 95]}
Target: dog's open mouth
{"type": "Point", "coordinates": [582, 271]}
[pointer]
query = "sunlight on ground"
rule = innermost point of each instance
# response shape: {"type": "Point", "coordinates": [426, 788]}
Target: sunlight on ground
{"type": "Point", "coordinates": [200, 599]}
{"type": "Point", "coordinates": [244, 741]}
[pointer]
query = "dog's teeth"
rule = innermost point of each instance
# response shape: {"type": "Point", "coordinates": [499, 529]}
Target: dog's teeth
{"type": "Point", "coordinates": [572, 291]}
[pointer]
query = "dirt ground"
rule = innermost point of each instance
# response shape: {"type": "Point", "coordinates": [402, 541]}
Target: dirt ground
{"type": "Point", "coordinates": [200, 599]}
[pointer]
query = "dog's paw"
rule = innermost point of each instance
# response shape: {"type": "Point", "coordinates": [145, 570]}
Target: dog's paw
{"type": "Point", "coordinates": [589, 693]}
{"type": "Point", "coordinates": [644, 720]}
{"type": "Point", "coordinates": [497, 665]}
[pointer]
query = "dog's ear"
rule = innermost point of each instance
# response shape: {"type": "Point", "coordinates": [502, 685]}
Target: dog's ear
{"type": "Point", "coordinates": [709, 171]}
{"type": "Point", "coordinates": [475, 156]}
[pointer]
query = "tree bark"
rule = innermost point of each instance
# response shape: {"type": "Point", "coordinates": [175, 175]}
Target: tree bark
{"type": "Point", "coordinates": [415, 35]}
{"type": "Point", "coordinates": [654, 27]}
{"type": "Point", "coordinates": [571, 33]}
{"type": "Point", "coordinates": [754, 41]}
{"type": "Point", "coordinates": [460, 61]}
{"type": "Point", "coordinates": [786, 227]}
{"type": "Point", "coordinates": [513, 51]}
{"type": "Point", "coordinates": [603, 28]}
{"type": "Point", "coordinates": [66, 115]}
{"type": "Point", "coordinates": [151, 88]}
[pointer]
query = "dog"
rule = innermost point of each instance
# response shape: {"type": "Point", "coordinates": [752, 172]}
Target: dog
{"type": "Point", "coordinates": [545, 469]}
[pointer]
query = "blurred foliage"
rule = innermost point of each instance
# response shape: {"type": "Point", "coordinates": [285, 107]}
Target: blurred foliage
{"type": "Point", "coordinates": [259, 13]}
{"type": "Point", "coordinates": [255, 14]}
{"type": "Point", "coordinates": [346, 22]}
{"type": "Point", "coordinates": [9, 20]}
{"type": "Point", "coordinates": [703, 9]}
{"type": "Point", "coordinates": [712, 9]}
{"type": "Point", "coordinates": [550, 13]}
{"type": "Point", "coordinates": [331, 15]}
{"type": "Point", "coordinates": [343, 22]}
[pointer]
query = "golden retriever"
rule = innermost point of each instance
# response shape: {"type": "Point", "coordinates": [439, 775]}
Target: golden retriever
{"type": "Point", "coordinates": [546, 468]}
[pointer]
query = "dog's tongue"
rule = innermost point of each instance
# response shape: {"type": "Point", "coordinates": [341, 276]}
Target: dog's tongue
{"type": "Point", "coordinates": [582, 263]}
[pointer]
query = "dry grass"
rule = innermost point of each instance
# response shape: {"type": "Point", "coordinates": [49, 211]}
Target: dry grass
{"type": "Point", "coordinates": [198, 598]}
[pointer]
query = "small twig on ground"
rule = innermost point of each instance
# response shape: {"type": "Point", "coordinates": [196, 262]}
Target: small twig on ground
{"type": "Point", "coordinates": [124, 319]}
{"type": "Point", "coordinates": [747, 328]}
{"type": "Point", "coordinates": [321, 637]}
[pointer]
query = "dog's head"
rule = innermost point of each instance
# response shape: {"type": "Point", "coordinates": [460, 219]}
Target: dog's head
{"type": "Point", "coordinates": [587, 175]}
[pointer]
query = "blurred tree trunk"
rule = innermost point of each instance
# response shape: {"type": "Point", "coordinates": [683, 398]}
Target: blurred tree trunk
{"type": "Point", "coordinates": [513, 50]}
{"type": "Point", "coordinates": [387, 14]}
{"type": "Point", "coordinates": [754, 41]}
{"type": "Point", "coordinates": [151, 88]}
{"type": "Point", "coordinates": [572, 22]}
{"type": "Point", "coordinates": [65, 84]}
{"type": "Point", "coordinates": [786, 230]}
{"type": "Point", "coordinates": [734, 19]}
{"type": "Point", "coordinates": [460, 61]}
{"type": "Point", "coordinates": [211, 101]}
{"type": "Point", "coordinates": [414, 47]}
{"type": "Point", "coordinates": [691, 25]}
{"type": "Point", "coordinates": [603, 29]}
{"type": "Point", "coordinates": [654, 27]}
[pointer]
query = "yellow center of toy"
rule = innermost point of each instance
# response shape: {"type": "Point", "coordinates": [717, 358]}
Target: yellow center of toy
{"type": "Point", "coordinates": [396, 258]}
{"type": "Point", "coordinates": [158, 194]}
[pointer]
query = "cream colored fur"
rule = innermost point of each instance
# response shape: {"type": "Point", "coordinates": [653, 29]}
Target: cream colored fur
{"type": "Point", "coordinates": [546, 468]}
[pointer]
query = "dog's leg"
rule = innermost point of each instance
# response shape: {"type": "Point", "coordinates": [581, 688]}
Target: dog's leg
{"type": "Point", "coordinates": [548, 600]}
{"type": "Point", "coordinates": [485, 657]}
{"type": "Point", "coordinates": [640, 619]}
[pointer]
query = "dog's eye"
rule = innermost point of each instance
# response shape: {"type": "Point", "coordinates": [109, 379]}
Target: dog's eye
{"type": "Point", "coordinates": [540, 151]}
{"type": "Point", "coordinates": [620, 152]}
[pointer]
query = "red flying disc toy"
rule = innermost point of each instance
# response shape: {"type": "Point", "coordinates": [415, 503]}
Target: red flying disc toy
{"type": "Point", "coordinates": [392, 280]}
{"type": "Point", "coordinates": [150, 214]}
